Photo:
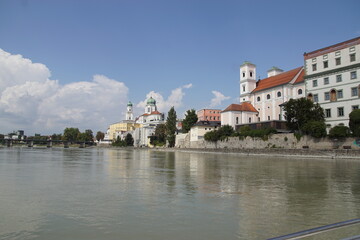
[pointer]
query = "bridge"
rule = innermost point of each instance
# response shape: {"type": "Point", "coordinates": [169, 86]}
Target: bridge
{"type": "Point", "coordinates": [49, 143]}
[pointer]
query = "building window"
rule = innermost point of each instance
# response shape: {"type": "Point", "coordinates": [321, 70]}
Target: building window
{"type": "Point", "coordinates": [326, 81]}
{"type": "Point", "coordinates": [354, 92]}
{"type": "Point", "coordinates": [258, 99]}
{"type": "Point", "coordinates": [340, 111]}
{"type": "Point", "coordinates": [243, 88]}
{"type": "Point", "coordinates": [352, 57]}
{"type": "Point", "coordinates": [251, 74]}
{"type": "Point", "coordinates": [258, 119]}
{"type": "Point", "coordinates": [237, 120]}
{"type": "Point", "coordinates": [243, 74]}
{"type": "Point", "coordinates": [314, 83]}
{"type": "Point", "coordinates": [328, 113]}
{"type": "Point", "coordinates": [310, 96]}
{"type": "Point", "coordinates": [314, 67]}
{"type": "Point", "coordinates": [338, 78]}
{"type": "Point", "coordinates": [353, 75]}
{"type": "Point", "coordinates": [279, 94]}
{"type": "Point", "coordinates": [300, 91]}
{"type": "Point", "coordinates": [326, 64]}
{"type": "Point", "coordinates": [249, 120]}
{"type": "Point", "coordinates": [327, 96]}
{"type": "Point", "coordinates": [337, 61]}
{"type": "Point", "coordinates": [355, 107]}
{"type": "Point", "coordinates": [268, 96]}
{"type": "Point", "coordinates": [269, 118]}
{"type": "Point", "coordinates": [333, 95]}
{"type": "Point", "coordinates": [316, 98]}
{"type": "Point", "coordinates": [339, 94]}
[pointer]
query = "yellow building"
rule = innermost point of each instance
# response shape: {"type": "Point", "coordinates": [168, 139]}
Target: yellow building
{"type": "Point", "coordinates": [118, 129]}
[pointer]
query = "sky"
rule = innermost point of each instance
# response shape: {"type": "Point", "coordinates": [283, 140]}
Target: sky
{"type": "Point", "coordinates": [66, 63]}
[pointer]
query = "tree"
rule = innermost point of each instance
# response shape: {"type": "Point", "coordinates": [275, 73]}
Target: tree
{"type": "Point", "coordinates": [129, 140]}
{"type": "Point", "coordinates": [71, 134]}
{"type": "Point", "coordinates": [119, 142]}
{"type": "Point", "coordinates": [100, 135]}
{"type": "Point", "coordinates": [171, 127]}
{"type": "Point", "coordinates": [315, 129]}
{"type": "Point", "coordinates": [159, 135]}
{"type": "Point", "coordinates": [89, 137]}
{"type": "Point", "coordinates": [56, 137]}
{"type": "Point", "coordinates": [189, 121]}
{"type": "Point", "coordinates": [339, 132]}
{"type": "Point", "coordinates": [300, 111]}
{"type": "Point", "coordinates": [354, 122]}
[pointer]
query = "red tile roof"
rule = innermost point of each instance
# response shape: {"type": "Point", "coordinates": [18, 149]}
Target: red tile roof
{"type": "Point", "coordinates": [332, 48]}
{"type": "Point", "coordinates": [280, 79]}
{"type": "Point", "coordinates": [152, 113]}
{"type": "Point", "coordinates": [243, 107]}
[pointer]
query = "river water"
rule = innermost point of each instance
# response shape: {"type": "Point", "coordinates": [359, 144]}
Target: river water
{"type": "Point", "coordinates": [98, 193]}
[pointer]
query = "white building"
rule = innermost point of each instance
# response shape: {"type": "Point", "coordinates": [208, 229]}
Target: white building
{"type": "Point", "coordinates": [199, 129]}
{"type": "Point", "coordinates": [149, 120]}
{"type": "Point", "coordinates": [333, 79]}
{"type": "Point", "coordinates": [260, 100]}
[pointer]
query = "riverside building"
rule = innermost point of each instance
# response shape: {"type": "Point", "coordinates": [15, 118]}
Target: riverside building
{"type": "Point", "coordinates": [333, 80]}
{"type": "Point", "coordinates": [260, 100]}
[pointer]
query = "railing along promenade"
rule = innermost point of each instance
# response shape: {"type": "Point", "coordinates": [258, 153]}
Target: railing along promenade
{"type": "Point", "coordinates": [317, 230]}
{"type": "Point", "coordinates": [49, 143]}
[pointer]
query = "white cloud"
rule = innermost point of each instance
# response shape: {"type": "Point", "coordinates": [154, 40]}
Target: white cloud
{"type": "Point", "coordinates": [218, 98]}
{"type": "Point", "coordinates": [174, 100]}
{"type": "Point", "coordinates": [29, 100]}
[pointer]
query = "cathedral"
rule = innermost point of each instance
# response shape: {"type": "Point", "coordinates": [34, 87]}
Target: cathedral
{"type": "Point", "coordinates": [149, 120]}
{"type": "Point", "coordinates": [140, 128]}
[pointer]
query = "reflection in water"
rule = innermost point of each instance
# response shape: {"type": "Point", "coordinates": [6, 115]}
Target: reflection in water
{"type": "Point", "coordinates": [136, 194]}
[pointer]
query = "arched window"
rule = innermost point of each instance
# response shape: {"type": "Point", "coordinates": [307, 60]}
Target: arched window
{"type": "Point", "coordinates": [237, 120]}
{"type": "Point", "coordinates": [251, 74]}
{"type": "Point", "coordinates": [249, 119]}
{"type": "Point", "coordinates": [310, 96]}
{"type": "Point", "coordinates": [268, 96]}
{"type": "Point", "coordinates": [279, 94]}
{"type": "Point", "coordinates": [333, 95]}
{"type": "Point", "coordinates": [258, 99]}
{"type": "Point", "coordinates": [300, 91]}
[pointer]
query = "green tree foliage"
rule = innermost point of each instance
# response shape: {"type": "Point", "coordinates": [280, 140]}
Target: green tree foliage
{"type": "Point", "coordinates": [119, 142]}
{"type": "Point", "coordinates": [56, 137]}
{"type": "Point", "coordinates": [189, 121]}
{"type": "Point", "coordinates": [211, 136]}
{"type": "Point", "coordinates": [354, 122]}
{"type": "Point", "coordinates": [220, 134]}
{"type": "Point", "coordinates": [339, 132]}
{"type": "Point", "coordinates": [300, 111]}
{"type": "Point", "coordinates": [171, 127]}
{"type": "Point", "coordinates": [315, 129]}
{"type": "Point", "coordinates": [262, 133]}
{"type": "Point", "coordinates": [100, 135]}
{"type": "Point", "coordinates": [129, 140]}
{"type": "Point", "coordinates": [159, 138]}
{"type": "Point", "coordinates": [71, 134]}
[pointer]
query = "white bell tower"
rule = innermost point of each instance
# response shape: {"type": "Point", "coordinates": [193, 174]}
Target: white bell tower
{"type": "Point", "coordinates": [129, 112]}
{"type": "Point", "coordinates": [247, 80]}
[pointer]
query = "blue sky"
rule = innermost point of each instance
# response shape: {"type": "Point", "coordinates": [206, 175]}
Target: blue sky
{"type": "Point", "coordinates": [185, 53]}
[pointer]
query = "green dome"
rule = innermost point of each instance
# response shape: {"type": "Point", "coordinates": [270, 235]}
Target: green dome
{"type": "Point", "coordinates": [129, 104]}
{"type": "Point", "coordinates": [151, 101]}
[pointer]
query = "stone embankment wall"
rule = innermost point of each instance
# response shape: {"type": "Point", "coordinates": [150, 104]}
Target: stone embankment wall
{"type": "Point", "coordinates": [282, 141]}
